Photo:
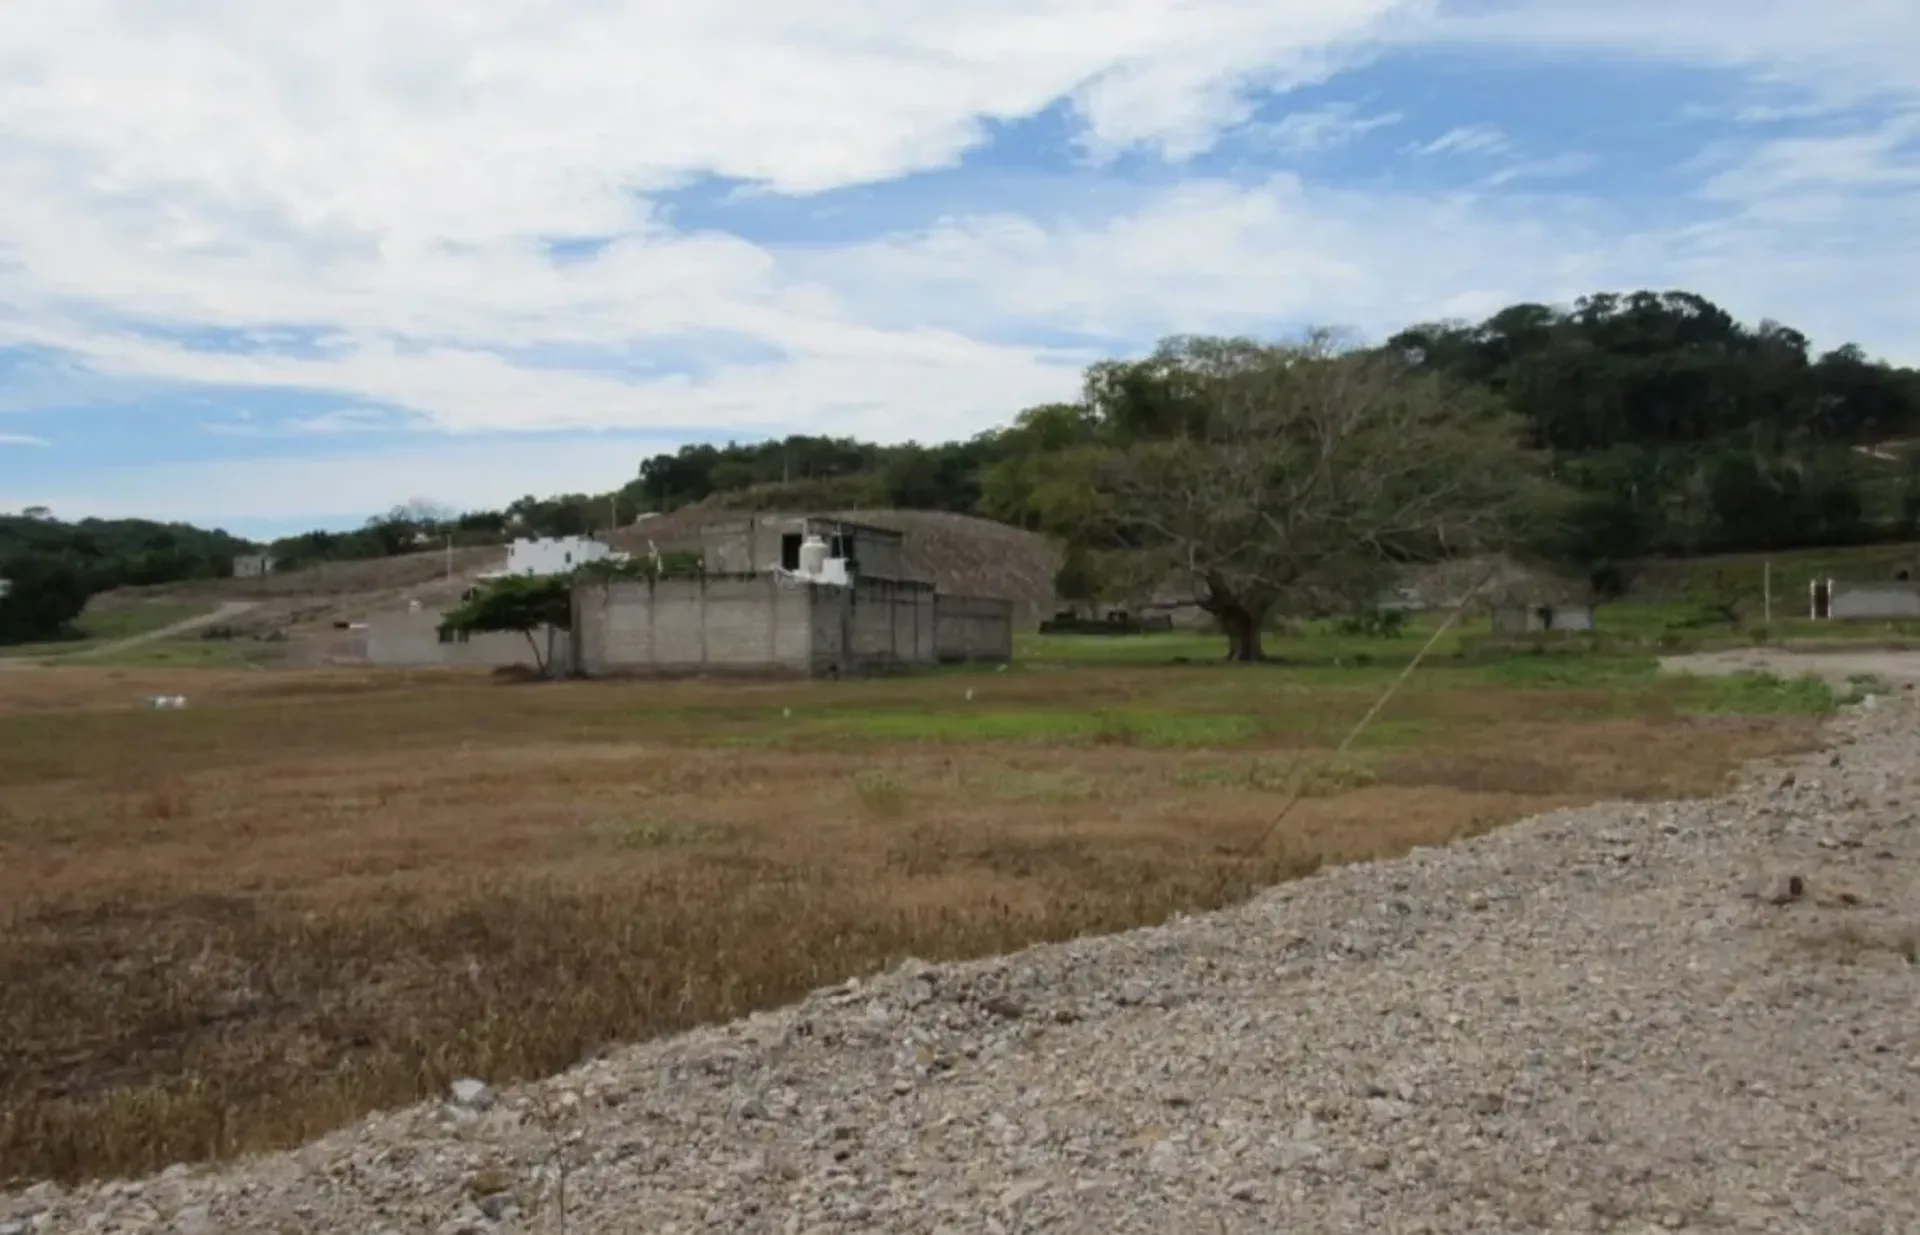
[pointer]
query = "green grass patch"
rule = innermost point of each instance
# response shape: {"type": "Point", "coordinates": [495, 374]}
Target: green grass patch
{"type": "Point", "coordinates": [1760, 694]}
{"type": "Point", "coordinates": [1309, 643]}
{"type": "Point", "coordinates": [125, 621]}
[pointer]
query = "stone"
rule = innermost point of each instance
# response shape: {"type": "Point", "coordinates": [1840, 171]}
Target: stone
{"type": "Point", "coordinates": [471, 1094]}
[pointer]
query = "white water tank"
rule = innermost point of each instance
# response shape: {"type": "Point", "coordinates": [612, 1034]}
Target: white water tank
{"type": "Point", "coordinates": [813, 555]}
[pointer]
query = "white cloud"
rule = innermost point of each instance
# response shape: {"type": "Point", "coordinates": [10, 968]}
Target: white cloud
{"type": "Point", "coordinates": [387, 172]}
{"type": "Point", "coordinates": [463, 474]}
{"type": "Point", "coordinates": [1552, 167]}
{"type": "Point", "coordinates": [1466, 139]}
{"type": "Point", "coordinates": [1322, 128]}
{"type": "Point", "coordinates": [1884, 155]}
{"type": "Point", "coordinates": [22, 439]}
{"type": "Point", "coordinates": [1835, 51]}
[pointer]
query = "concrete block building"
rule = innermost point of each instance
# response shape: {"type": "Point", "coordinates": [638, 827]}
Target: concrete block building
{"type": "Point", "coordinates": [785, 594]}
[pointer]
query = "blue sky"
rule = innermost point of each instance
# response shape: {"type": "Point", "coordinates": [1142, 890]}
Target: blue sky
{"type": "Point", "coordinates": [271, 274]}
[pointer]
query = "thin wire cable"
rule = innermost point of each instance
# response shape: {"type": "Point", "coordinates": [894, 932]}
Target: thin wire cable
{"type": "Point", "coordinates": [1300, 789]}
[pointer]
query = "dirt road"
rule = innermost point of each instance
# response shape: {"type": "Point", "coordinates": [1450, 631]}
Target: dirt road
{"type": "Point", "coordinates": [1893, 667]}
{"type": "Point", "coordinates": [227, 609]}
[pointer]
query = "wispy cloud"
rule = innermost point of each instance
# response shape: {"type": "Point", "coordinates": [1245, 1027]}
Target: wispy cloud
{"type": "Point", "coordinates": [1875, 156]}
{"type": "Point", "coordinates": [1553, 167]}
{"type": "Point", "coordinates": [317, 424]}
{"type": "Point", "coordinates": [1467, 139]}
{"type": "Point", "coordinates": [1321, 128]}
{"type": "Point", "coordinates": [22, 439]}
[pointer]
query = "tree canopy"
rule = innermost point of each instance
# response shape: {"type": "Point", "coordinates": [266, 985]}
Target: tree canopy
{"type": "Point", "coordinates": [43, 595]}
{"type": "Point", "coordinates": [525, 606]}
{"type": "Point", "coordinates": [52, 567]}
{"type": "Point", "coordinates": [1271, 477]}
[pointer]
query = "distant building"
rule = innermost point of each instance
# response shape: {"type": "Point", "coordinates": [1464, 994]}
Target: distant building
{"type": "Point", "coordinates": [1884, 600]}
{"type": "Point", "coordinates": [252, 565]}
{"type": "Point", "coordinates": [778, 594]}
{"type": "Point", "coordinates": [6, 587]}
{"type": "Point", "coordinates": [809, 595]}
{"type": "Point", "coordinates": [557, 555]}
{"type": "Point", "coordinates": [1541, 619]}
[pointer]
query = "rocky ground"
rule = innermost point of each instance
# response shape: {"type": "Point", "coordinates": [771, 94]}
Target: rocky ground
{"type": "Point", "coordinates": [1627, 1018]}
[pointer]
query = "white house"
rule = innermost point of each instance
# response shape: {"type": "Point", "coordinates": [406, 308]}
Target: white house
{"type": "Point", "coordinates": [556, 555]}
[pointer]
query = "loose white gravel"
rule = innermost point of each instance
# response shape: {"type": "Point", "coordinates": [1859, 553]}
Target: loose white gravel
{"type": "Point", "coordinates": [1619, 1018]}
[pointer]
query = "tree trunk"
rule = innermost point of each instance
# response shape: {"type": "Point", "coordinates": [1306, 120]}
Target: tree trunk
{"type": "Point", "coordinates": [540, 665]}
{"type": "Point", "coordinates": [1243, 634]}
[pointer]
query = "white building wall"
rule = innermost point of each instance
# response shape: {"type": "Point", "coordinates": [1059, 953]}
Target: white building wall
{"type": "Point", "coordinates": [1891, 600]}
{"type": "Point", "coordinates": [553, 556]}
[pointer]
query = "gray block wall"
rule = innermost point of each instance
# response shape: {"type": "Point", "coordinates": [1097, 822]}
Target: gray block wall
{"type": "Point", "coordinates": [709, 624]}
{"type": "Point", "coordinates": [1874, 600]}
{"type": "Point", "coordinates": [890, 625]}
{"type": "Point", "coordinates": [973, 628]}
{"type": "Point", "coordinates": [411, 639]}
{"type": "Point", "coordinates": [750, 545]}
{"type": "Point", "coordinates": [757, 624]}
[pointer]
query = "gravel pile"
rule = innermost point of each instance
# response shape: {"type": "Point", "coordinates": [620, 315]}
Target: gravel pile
{"type": "Point", "coordinates": [1701, 1016]}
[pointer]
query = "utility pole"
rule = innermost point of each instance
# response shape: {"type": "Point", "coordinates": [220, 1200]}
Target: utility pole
{"type": "Point", "coordinates": [1766, 593]}
{"type": "Point", "coordinates": [613, 512]}
{"type": "Point", "coordinates": [449, 557]}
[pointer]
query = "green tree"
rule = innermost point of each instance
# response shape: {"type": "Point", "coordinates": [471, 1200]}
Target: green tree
{"type": "Point", "coordinates": [43, 597]}
{"type": "Point", "coordinates": [527, 606]}
{"type": "Point", "coordinates": [1269, 478]}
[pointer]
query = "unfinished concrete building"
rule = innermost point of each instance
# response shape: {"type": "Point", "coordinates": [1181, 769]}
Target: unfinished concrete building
{"type": "Point", "coordinates": [785, 594]}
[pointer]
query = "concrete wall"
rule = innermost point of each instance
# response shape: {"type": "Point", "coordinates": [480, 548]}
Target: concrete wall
{"type": "Point", "coordinates": [412, 640]}
{"type": "Point", "coordinates": [751, 545]}
{"type": "Point", "coordinates": [878, 625]}
{"type": "Point", "coordinates": [888, 624]}
{"type": "Point", "coordinates": [972, 628]}
{"type": "Point", "coordinates": [733, 548]}
{"type": "Point", "coordinates": [252, 565]}
{"type": "Point", "coordinates": [755, 624]}
{"type": "Point", "coordinates": [715, 623]}
{"type": "Point", "coordinates": [1874, 600]}
{"type": "Point", "coordinates": [1537, 619]}
{"type": "Point", "coordinates": [881, 554]}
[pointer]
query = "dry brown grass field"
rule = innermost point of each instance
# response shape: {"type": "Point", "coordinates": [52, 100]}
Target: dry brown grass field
{"type": "Point", "coordinates": [308, 895]}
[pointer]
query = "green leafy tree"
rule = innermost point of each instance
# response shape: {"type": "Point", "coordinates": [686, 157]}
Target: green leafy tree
{"type": "Point", "coordinates": [1267, 478]}
{"type": "Point", "coordinates": [43, 597]}
{"type": "Point", "coordinates": [526, 606]}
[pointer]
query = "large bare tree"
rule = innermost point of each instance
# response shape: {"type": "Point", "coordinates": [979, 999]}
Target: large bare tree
{"type": "Point", "coordinates": [1287, 477]}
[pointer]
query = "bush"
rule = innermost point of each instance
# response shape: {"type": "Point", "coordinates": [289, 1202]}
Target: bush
{"type": "Point", "coordinates": [1376, 624]}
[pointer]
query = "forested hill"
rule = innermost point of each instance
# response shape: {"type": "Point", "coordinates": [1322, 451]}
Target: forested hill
{"type": "Point", "coordinates": [1688, 432]}
{"type": "Point", "coordinates": [51, 568]}
{"type": "Point", "coordinates": [109, 553]}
